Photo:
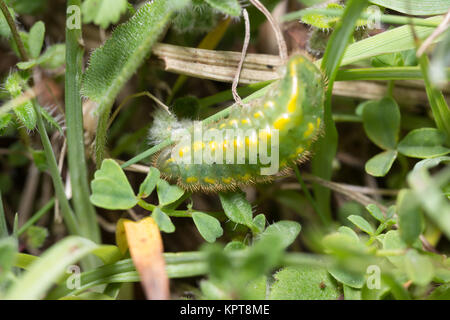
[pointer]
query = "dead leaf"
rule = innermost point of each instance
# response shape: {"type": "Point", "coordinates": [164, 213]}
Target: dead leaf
{"type": "Point", "coordinates": [144, 241]}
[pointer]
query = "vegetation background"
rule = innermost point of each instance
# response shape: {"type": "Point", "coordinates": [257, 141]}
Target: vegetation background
{"type": "Point", "coordinates": [367, 218]}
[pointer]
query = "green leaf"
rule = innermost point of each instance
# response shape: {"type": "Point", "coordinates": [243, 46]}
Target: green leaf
{"type": "Point", "coordinates": [379, 165]}
{"type": "Point", "coordinates": [362, 224]}
{"type": "Point", "coordinates": [352, 279]}
{"type": "Point", "coordinates": [419, 268]}
{"type": "Point", "coordinates": [26, 115]}
{"type": "Point", "coordinates": [28, 6]}
{"type": "Point", "coordinates": [212, 291]}
{"type": "Point", "coordinates": [8, 252]}
{"type": "Point", "coordinates": [395, 40]}
{"type": "Point", "coordinates": [374, 294]}
{"type": "Point", "coordinates": [259, 222]}
{"type": "Point", "coordinates": [52, 58]}
{"type": "Point", "coordinates": [343, 245]}
{"type": "Point", "coordinates": [322, 21]}
{"type": "Point", "coordinates": [440, 293]}
{"type": "Point", "coordinates": [103, 12]}
{"type": "Point", "coordinates": [261, 258]}
{"type": "Point", "coordinates": [376, 212]}
{"type": "Point", "coordinates": [381, 121]}
{"type": "Point", "coordinates": [39, 159]}
{"type": "Point", "coordinates": [168, 194]}
{"type": "Point", "coordinates": [256, 289]}
{"type": "Point", "coordinates": [288, 231]}
{"type": "Point", "coordinates": [237, 208]}
{"type": "Point", "coordinates": [431, 163]}
{"type": "Point", "coordinates": [163, 221]}
{"type": "Point", "coordinates": [209, 227]}
{"type": "Point", "coordinates": [415, 7]}
{"type": "Point", "coordinates": [410, 217]}
{"type": "Point", "coordinates": [36, 236]}
{"type": "Point", "coordinates": [44, 272]}
{"type": "Point", "coordinates": [111, 189]}
{"type": "Point", "coordinates": [393, 241]}
{"type": "Point", "coordinates": [108, 253]}
{"type": "Point", "coordinates": [5, 120]}
{"type": "Point", "coordinates": [50, 120]}
{"type": "Point", "coordinates": [36, 39]}
{"type": "Point", "coordinates": [234, 245]}
{"type": "Point", "coordinates": [230, 7]}
{"type": "Point", "coordinates": [423, 143]}
{"type": "Point", "coordinates": [352, 293]}
{"type": "Point", "coordinates": [304, 283]}
{"type": "Point", "coordinates": [348, 231]}
{"type": "Point", "coordinates": [149, 184]}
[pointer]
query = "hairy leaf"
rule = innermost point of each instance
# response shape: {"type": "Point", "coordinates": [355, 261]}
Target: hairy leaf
{"type": "Point", "coordinates": [113, 64]}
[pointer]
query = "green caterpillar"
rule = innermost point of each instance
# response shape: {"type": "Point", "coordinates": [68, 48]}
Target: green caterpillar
{"type": "Point", "coordinates": [282, 125]}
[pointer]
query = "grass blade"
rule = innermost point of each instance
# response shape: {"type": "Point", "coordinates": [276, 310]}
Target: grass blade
{"type": "Point", "coordinates": [44, 272]}
{"type": "Point", "coordinates": [326, 147]}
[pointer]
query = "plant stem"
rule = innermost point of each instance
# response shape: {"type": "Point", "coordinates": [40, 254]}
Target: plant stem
{"type": "Point", "coordinates": [37, 216]}
{"type": "Point", "coordinates": [69, 217]}
{"type": "Point", "coordinates": [14, 31]}
{"type": "Point", "coordinates": [172, 213]}
{"type": "Point", "coordinates": [310, 198]}
{"type": "Point", "coordinates": [84, 210]}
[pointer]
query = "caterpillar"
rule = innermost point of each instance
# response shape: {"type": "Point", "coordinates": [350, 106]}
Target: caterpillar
{"type": "Point", "coordinates": [281, 126]}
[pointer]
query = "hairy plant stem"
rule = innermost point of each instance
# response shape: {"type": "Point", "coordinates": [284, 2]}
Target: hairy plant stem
{"type": "Point", "coordinates": [14, 31]}
{"type": "Point", "coordinates": [84, 210]}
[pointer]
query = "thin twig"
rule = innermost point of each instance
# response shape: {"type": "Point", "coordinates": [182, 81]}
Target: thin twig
{"type": "Point", "coordinates": [236, 96]}
{"type": "Point", "coordinates": [356, 196]}
{"type": "Point", "coordinates": [276, 28]}
{"type": "Point", "coordinates": [137, 95]}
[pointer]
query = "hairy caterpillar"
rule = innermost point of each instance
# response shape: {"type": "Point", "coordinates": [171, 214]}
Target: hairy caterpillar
{"type": "Point", "coordinates": [293, 109]}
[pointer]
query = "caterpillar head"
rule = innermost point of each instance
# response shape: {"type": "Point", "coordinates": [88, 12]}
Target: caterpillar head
{"type": "Point", "coordinates": [165, 125]}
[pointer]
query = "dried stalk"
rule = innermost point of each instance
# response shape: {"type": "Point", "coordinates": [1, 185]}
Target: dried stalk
{"type": "Point", "coordinates": [221, 66]}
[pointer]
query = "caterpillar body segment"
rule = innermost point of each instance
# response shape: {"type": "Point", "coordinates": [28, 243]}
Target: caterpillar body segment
{"type": "Point", "coordinates": [281, 126]}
